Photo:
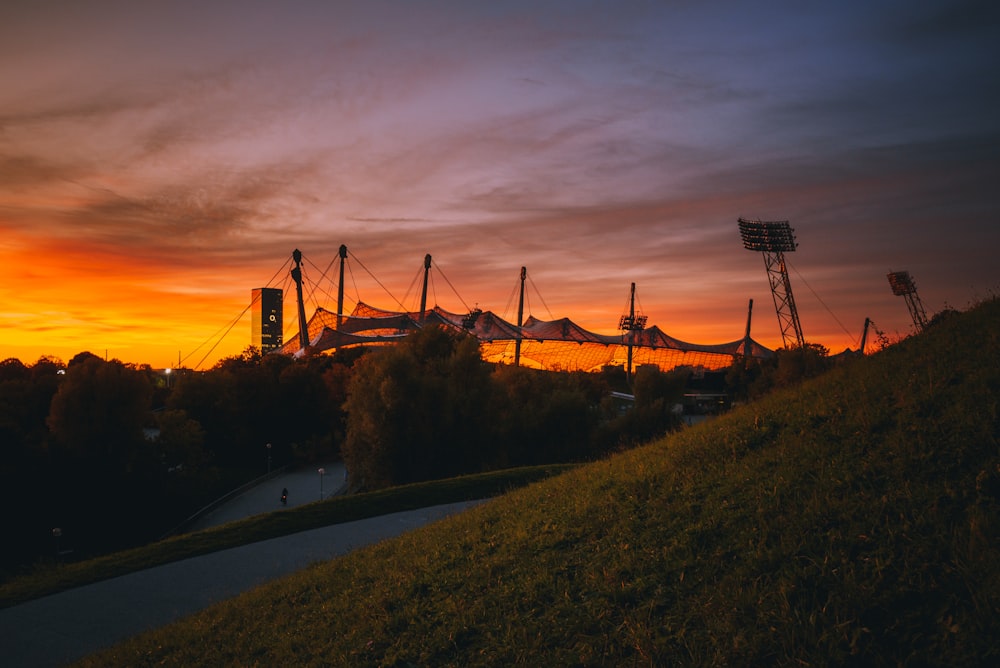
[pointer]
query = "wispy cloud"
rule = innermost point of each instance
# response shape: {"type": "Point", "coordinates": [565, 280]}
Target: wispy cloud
{"type": "Point", "coordinates": [166, 158]}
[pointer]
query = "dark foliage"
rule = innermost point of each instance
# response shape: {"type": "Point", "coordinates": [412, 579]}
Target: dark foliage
{"type": "Point", "coordinates": [115, 455]}
{"type": "Point", "coordinates": [415, 410]}
{"type": "Point", "coordinates": [429, 407]}
{"type": "Point", "coordinates": [754, 378]}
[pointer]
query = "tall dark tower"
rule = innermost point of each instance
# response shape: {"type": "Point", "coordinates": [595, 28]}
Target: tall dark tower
{"type": "Point", "coordinates": [631, 324]}
{"type": "Point", "coordinates": [903, 286]}
{"type": "Point", "coordinates": [266, 329]}
{"type": "Point", "coordinates": [773, 240]}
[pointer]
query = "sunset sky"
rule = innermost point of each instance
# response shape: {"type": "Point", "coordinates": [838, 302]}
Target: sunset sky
{"type": "Point", "coordinates": [159, 160]}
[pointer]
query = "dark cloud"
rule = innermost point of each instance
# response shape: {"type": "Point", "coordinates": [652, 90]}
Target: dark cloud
{"type": "Point", "coordinates": [948, 23]}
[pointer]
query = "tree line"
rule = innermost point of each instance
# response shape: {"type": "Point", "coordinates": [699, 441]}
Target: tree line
{"type": "Point", "coordinates": [109, 455]}
{"type": "Point", "coordinates": [101, 455]}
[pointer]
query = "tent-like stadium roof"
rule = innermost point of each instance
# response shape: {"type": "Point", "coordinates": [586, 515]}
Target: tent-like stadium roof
{"type": "Point", "coordinates": [546, 344]}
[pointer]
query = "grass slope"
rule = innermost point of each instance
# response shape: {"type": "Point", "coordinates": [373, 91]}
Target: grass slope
{"type": "Point", "coordinates": [852, 520]}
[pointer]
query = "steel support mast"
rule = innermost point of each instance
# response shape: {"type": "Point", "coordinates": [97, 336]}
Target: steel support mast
{"type": "Point", "coordinates": [773, 240]}
{"type": "Point", "coordinates": [747, 344]}
{"type": "Point", "coordinates": [631, 324]}
{"type": "Point", "coordinates": [423, 293]}
{"type": "Point", "coordinates": [297, 277]}
{"type": "Point", "coordinates": [520, 319]}
{"type": "Point", "coordinates": [902, 285]}
{"type": "Point", "coordinates": [340, 287]}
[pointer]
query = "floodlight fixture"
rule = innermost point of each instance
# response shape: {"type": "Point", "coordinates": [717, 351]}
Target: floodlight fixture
{"type": "Point", "coordinates": [901, 283]}
{"type": "Point", "coordinates": [632, 323]}
{"type": "Point", "coordinates": [767, 236]}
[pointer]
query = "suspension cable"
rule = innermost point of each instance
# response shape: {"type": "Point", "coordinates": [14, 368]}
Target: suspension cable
{"type": "Point", "coordinates": [820, 299]}
{"type": "Point", "coordinates": [628, 299]}
{"type": "Point", "coordinates": [324, 276]}
{"type": "Point", "coordinates": [547, 309]}
{"type": "Point", "coordinates": [440, 271]}
{"type": "Point", "coordinates": [354, 282]}
{"type": "Point", "coordinates": [229, 329]}
{"type": "Point", "coordinates": [412, 287]}
{"type": "Point", "coordinates": [289, 323]}
{"type": "Point", "coordinates": [510, 299]}
{"type": "Point", "coordinates": [375, 278]}
{"type": "Point", "coordinates": [287, 263]}
{"type": "Point", "coordinates": [205, 342]}
{"type": "Point", "coordinates": [225, 329]}
{"type": "Point", "coordinates": [638, 304]}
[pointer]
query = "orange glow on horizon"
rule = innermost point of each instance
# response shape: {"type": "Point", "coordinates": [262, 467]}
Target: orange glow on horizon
{"type": "Point", "coordinates": [87, 298]}
{"type": "Point", "coordinates": [75, 298]}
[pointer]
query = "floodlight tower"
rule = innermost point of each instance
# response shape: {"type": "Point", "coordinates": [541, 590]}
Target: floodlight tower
{"type": "Point", "coordinates": [902, 284]}
{"type": "Point", "coordinates": [774, 239]}
{"type": "Point", "coordinates": [631, 323]}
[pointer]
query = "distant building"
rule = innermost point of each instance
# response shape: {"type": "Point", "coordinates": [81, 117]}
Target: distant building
{"type": "Point", "coordinates": [267, 325]}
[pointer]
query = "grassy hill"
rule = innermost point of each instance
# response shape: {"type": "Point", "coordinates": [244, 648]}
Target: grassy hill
{"type": "Point", "coordinates": [852, 520]}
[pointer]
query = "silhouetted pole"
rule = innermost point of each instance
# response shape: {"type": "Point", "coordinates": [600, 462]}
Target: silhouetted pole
{"type": "Point", "coordinates": [520, 320]}
{"type": "Point", "coordinates": [630, 323]}
{"type": "Point", "coordinates": [340, 289]}
{"type": "Point", "coordinates": [631, 333]}
{"type": "Point", "coordinates": [423, 294]}
{"type": "Point", "coordinates": [746, 334]}
{"type": "Point", "coordinates": [864, 334]}
{"type": "Point", "coordinates": [297, 277]}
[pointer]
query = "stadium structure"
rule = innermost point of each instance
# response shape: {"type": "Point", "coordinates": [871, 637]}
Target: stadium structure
{"type": "Point", "coordinates": [555, 345]}
{"type": "Point", "coordinates": [903, 286]}
{"type": "Point", "coordinates": [773, 239]}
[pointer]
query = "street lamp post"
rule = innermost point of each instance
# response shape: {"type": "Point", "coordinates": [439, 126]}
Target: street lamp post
{"type": "Point", "coordinates": [322, 472]}
{"type": "Point", "coordinates": [268, 446]}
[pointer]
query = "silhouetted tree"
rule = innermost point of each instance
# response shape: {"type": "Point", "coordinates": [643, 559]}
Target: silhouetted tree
{"type": "Point", "coordinates": [413, 409]}
{"type": "Point", "coordinates": [544, 417]}
{"type": "Point", "coordinates": [25, 395]}
{"type": "Point", "coordinates": [99, 411]}
{"type": "Point", "coordinates": [662, 389]}
{"type": "Point", "coordinates": [250, 400]}
{"type": "Point", "coordinates": [179, 443]}
{"type": "Point", "coordinates": [752, 378]}
{"type": "Point", "coordinates": [656, 393]}
{"type": "Point", "coordinates": [797, 364]}
{"type": "Point", "coordinates": [208, 399]}
{"type": "Point", "coordinates": [103, 467]}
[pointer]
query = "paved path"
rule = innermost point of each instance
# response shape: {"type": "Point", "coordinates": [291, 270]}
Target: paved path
{"type": "Point", "coordinates": [64, 627]}
{"type": "Point", "coordinates": [303, 487]}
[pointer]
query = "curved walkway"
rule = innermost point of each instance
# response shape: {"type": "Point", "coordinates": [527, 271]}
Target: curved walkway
{"type": "Point", "coordinates": [303, 485]}
{"type": "Point", "coordinates": [69, 625]}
